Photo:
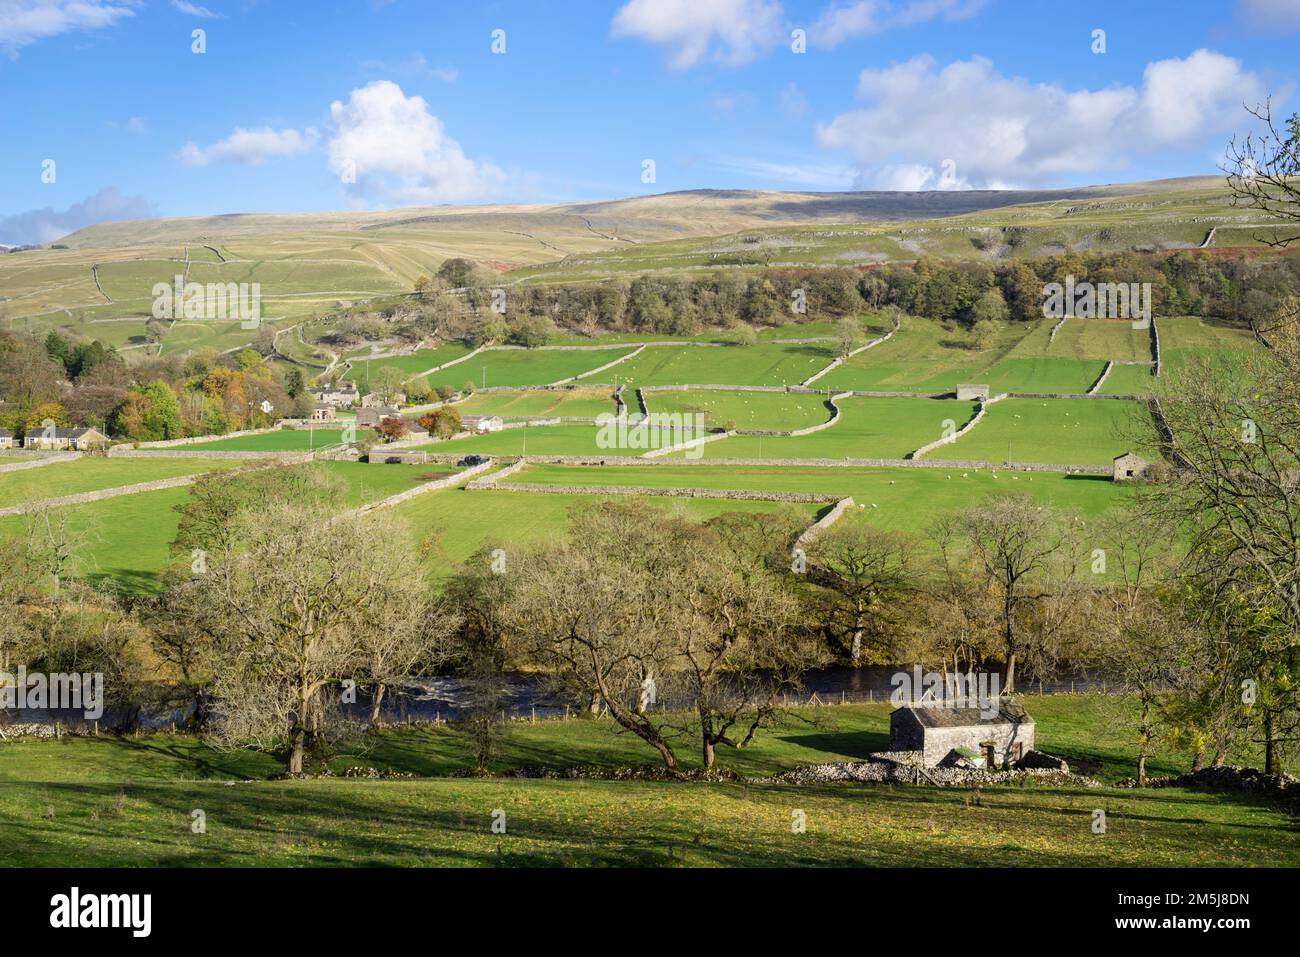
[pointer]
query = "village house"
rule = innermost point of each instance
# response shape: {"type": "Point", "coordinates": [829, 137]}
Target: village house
{"type": "Point", "coordinates": [973, 393]}
{"type": "Point", "coordinates": [337, 395]}
{"type": "Point", "coordinates": [323, 413]}
{"type": "Point", "coordinates": [79, 439]}
{"type": "Point", "coordinates": [941, 735]}
{"type": "Point", "coordinates": [490, 423]}
{"type": "Point", "coordinates": [1129, 467]}
{"type": "Point", "coordinates": [7, 440]}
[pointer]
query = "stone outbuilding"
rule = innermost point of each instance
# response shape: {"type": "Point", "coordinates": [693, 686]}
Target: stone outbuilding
{"type": "Point", "coordinates": [973, 393]}
{"type": "Point", "coordinates": [323, 413]}
{"type": "Point", "coordinates": [1130, 467]}
{"type": "Point", "coordinates": [935, 732]}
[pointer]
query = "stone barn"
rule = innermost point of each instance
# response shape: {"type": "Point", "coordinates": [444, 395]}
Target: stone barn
{"type": "Point", "coordinates": [1130, 467]}
{"type": "Point", "coordinates": [936, 731]}
{"type": "Point", "coordinates": [973, 393]}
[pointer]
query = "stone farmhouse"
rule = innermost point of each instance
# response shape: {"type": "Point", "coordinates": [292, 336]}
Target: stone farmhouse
{"type": "Point", "coordinates": [941, 735]}
{"type": "Point", "coordinates": [7, 440]}
{"type": "Point", "coordinates": [373, 400]}
{"type": "Point", "coordinates": [490, 423]}
{"type": "Point", "coordinates": [323, 412]}
{"type": "Point", "coordinates": [79, 439]}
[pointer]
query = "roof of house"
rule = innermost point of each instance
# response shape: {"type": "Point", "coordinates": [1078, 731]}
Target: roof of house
{"type": "Point", "coordinates": [6, 434]}
{"type": "Point", "coordinates": [936, 716]}
{"type": "Point", "coordinates": [65, 433]}
{"type": "Point", "coordinates": [1129, 455]}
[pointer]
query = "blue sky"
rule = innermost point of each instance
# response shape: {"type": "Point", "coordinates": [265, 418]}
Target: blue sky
{"type": "Point", "coordinates": [359, 104]}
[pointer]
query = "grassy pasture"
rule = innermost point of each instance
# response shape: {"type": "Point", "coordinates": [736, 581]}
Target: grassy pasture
{"type": "Point", "coordinates": [1188, 337]}
{"type": "Point", "coordinates": [93, 474]}
{"type": "Point", "coordinates": [1130, 380]}
{"type": "Point", "coordinates": [410, 365]}
{"type": "Point", "coordinates": [761, 364]}
{"type": "Point", "coordinates": [1101, 339]}
{"type": "Point", "coordinates": [280, 440]}
{"type": "Point", "coordinates": [900, 499]}
{"type": "Point", "coordinates": [86, 801]}
{"type": "Point", "coordinates": [520, 367]}
{"type": "Point", "coordinates": [567, 439]}
{"type": "Point", "coordinates": [566, 402]}
{"type": "Point", "coordinates": [771, 411]}
{"type": "Point", "coordinates": [868, 428]}
{"type": "Point", "coordinates": [457, 521]}
{"type": "Point", "coordinates": [127, 539]}
{"type": "Point", "coordinates": [1059, 431]}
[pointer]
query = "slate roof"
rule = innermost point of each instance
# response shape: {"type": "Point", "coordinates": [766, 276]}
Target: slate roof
{"type": "Point", "coordinates": [1009, 712]}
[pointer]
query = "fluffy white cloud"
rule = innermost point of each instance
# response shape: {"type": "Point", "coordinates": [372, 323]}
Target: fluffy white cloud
{"type": "Point", "coordinates": [194, 10]}
{"type": "Point", "coordinates": [250, 147]}
{"type": "Point", "coordinates": [46, 225]}
{"type": "Point", "coordinates": [387, 145]}
{"type": "Point", "coordinates": [846, 19]}
{"type": "Point", "coordinates": [23, 22]}
{"type": "Point", "coordinates": [1268, 15]}
{"type": "Point", "coordinates": [731, 31]}
{"type": "Point", "coordinates": [1000, 129]}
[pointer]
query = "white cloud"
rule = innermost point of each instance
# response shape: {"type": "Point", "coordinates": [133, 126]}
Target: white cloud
{"type": "Point", "coordinates": [846, 19]}
{"type": "Point", "coordinates": [46, 225]}
{"type": "Point", "coordinates": [803, 173]}
{"type": "Point", "coordinates": [23, 22]}
{"type": "Point", "coordinates": [194, 10]}
{"type": "Point", "coordinates": [998, 129]}
{"type": "Point", "coordinates": [730, 31]}
{"type": "Point", "coordinates": [792, 100]}
{"type": "Point", "coordinates": [413, 66]}
{"type": "Point", "coordinates": [250, 147]}
{"type": "Point", "coordinates": [388, 146]}
{"type": "Point", "coordinates": [1269, 15]}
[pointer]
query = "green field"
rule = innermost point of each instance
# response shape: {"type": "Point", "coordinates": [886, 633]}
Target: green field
{"type": "Point", "coordinates": [543, 403]}
{"type": "Point", "coordinates": [769, 411]}
{"type": "Point", "coordinates": [127, 539]}
{"type": "Point", "coordinates": [93, 474]}
{"type": "Point", "coordinates": [868, 428]}
{"type": "Point", "coordinates": [902, 498]}
{"type": "Point", "coordinates": [761, 364]}
{"type": "Point", "coordinates": [566, 439]}
{"type": "Point", "coordinates": [409, 365]}
{"type": "Point", "coordinates": [1101, 339]}
{"type": "Point", "coordinates": [457, 521]}
{"type": "Point", "coordinates": [520, 367]}
{"type": "Point", "coordinates": [279, 440]}
{"type": "Point", "coordinates": [1129, 380]}
{"type": "Point", "coordinates": [87, 801]}
{"type": "Point", "coordinates": [1188, 337]}
{"type": "Point", "coordinates": [1058, 431]}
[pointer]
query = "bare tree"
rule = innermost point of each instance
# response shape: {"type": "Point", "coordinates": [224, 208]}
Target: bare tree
{"type": "Point", "coordinates": [1013, 541]}
{"type": "Point", "coordinates": [305, 598]}
{"type": "Point", "coordinates": [863, 570]}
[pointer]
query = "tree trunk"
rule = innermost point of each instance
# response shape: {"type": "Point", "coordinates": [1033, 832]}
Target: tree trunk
{"type": "Point", "coordinates": [376, 702]}
{"type": "Point", "coordinates": [1270, 744]}
{"type": "Point", "coordinates": [1142, 766]}
{"type": "Point", "coordinates": [709, 754]}
{"type": "Point", "coordinates": [1011, 673]}
{"type": "Point", "coordinates": [1198, 759]}
{"type": "Point", "coordinates": [298, 746]}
